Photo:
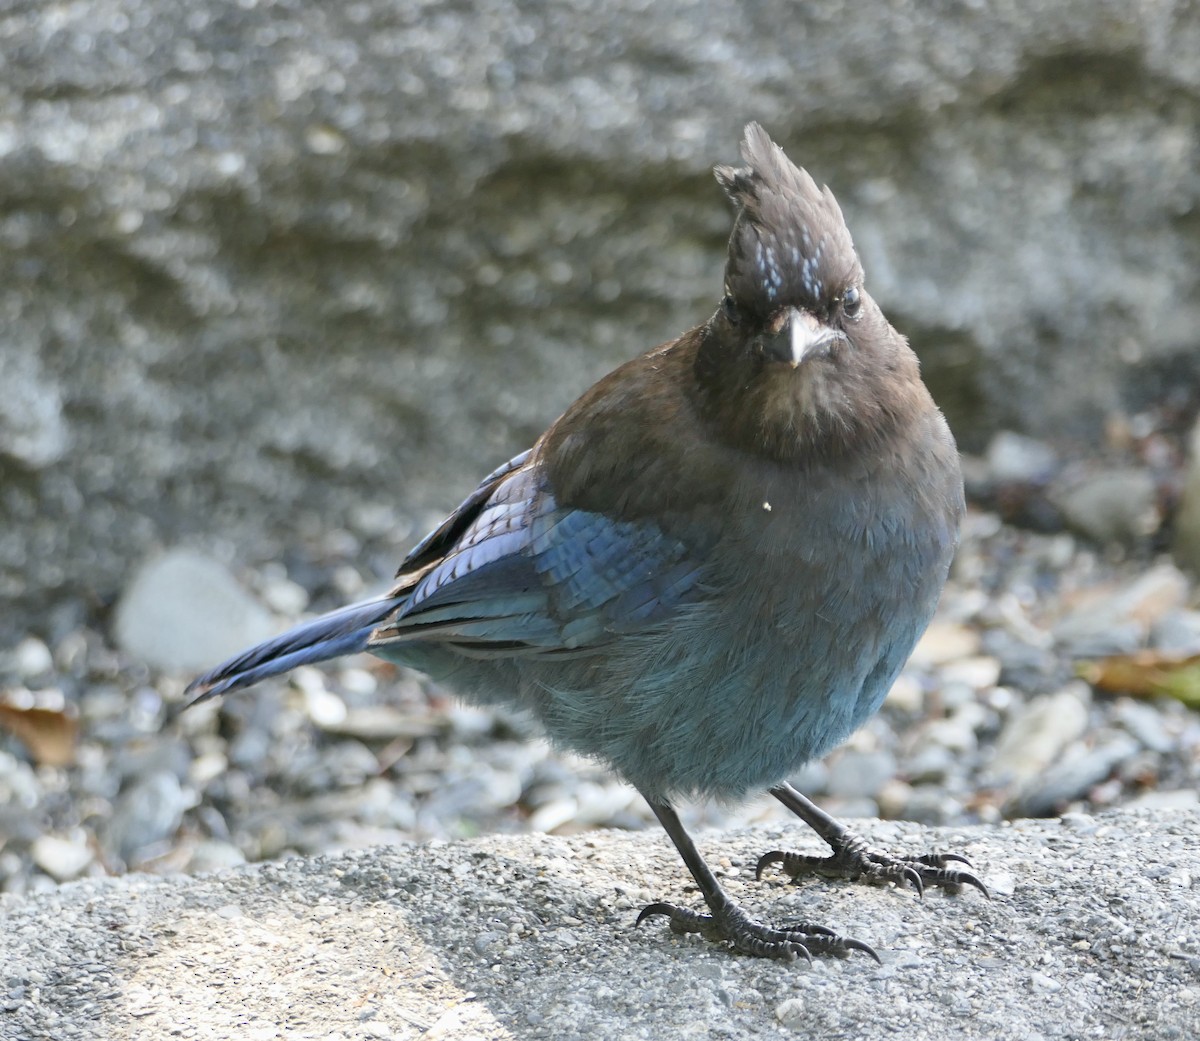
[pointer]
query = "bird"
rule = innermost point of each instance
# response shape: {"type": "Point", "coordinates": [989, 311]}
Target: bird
{"type": "Point", "coordinates": [712, 567]}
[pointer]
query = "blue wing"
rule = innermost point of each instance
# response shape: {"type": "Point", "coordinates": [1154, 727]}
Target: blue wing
{"type": "Point", "coordinates": [513, 572]}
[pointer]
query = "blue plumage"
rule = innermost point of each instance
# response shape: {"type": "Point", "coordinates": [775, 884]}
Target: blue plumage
{"type": "Point", "coordinates": [712, 567]}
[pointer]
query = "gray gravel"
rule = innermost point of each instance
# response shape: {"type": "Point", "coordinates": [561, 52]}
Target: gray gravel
{"type": "Point", "coordinates": [1092, 931]}
{"type": "Point", "coordinates": [988, 722]}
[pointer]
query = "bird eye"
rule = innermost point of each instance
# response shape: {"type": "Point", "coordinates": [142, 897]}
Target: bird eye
{"type": "Point", "coordinates": [851, 302]}
{"type": "Point", "coordinates": [730, 309]}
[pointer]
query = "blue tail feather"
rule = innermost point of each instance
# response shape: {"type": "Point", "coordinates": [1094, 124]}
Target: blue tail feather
{"type": "Point", "coordinates": [344, 631]}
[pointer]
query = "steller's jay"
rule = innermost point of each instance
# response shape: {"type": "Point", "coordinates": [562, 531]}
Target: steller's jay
{"type": "Point", "coordinates": [712, 567]}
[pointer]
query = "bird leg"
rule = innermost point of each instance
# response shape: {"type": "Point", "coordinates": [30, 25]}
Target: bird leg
{"type": "Point", "coordinates": [727, 922]}
{"type": "Point", "coordinates": [853, 858]}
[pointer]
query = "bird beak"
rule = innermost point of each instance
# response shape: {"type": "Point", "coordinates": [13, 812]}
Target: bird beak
{"type": "Point", "coordinates": [799, 337]}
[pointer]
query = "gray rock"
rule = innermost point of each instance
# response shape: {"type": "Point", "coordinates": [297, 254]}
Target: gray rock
{"type": "Point", "coordinates": [532, 937]}
{"type": "Point", "coordinates": [183, 612]}
{"type": "Point", "coordinates": [147, 813]}
{"type": "Point", "coordinates": [61, 858]}
{"type": "Point", "coordinates": [1118, 618]}
{"type": "Point", "coordinates": [1186, 546]}
{"type": "Point", "coordinates": [932, 763]}
{"type": "Point", "coordinates": [33, 430]}
{"type": "Point", "coordinates": [213, 855]}
{"type": "Point", "coordinates": [1036, 736]}
{"type": "Point", "coordinates": [1070, 778]}
{"type": "Point", "coordinates": [30, 659]}
{"type": "Point", "coordinates": [258, 271]}
{"type": "Point", "coordinates": [1111, 506]}
{"type": "Point", "coordinates": [1177, 632]}
{"type": "Point", "coordinates": [854, 774]}
{"type": "Point", "coordinates": [1144, 723]}
{"type": "Point", "coordinates": [18, 783]}
{"type": "Point", "coordinates": [1016, 459]}
{"type": "Point", "coordinates": [1174, 799]}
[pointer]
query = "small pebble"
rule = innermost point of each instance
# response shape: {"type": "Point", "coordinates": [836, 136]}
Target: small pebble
{"type": "Point", "coordinates": [793, 1014]}
{"type": "Point", "coordinates": [1186, 544]}
{"type": "Point", "coordinates": [1016, 459]}
{"type": "Point", "coordinates": [61, 858]}
{"type": "Point", "coordinates": [1111, 506]}
{"type": "Point", "coordinates": [1036, 736]}
{"type": "Point", "coordinates": [860, 775]}
{"type": "Point", "coordinates": [945, 642]}
{"type": "Point", "coordinates": [1177, 632]}
{"type": "Point", "coordinates": [30, 659]}
{"type": "Point", "coordinates": [1145, 723]}
{"type": "Point", "coordinates": [212, 855]}
{"type": "Point", "coordinates": [286, 598]}
{"type": "Point", "coordinates": [146, 814]}
{"type": "Point", "coordinates": [906, 694]}
{"type": "Point", "coordinates": [977, 672]}
{"type": "Point", "coordinates": [1043, 983]}
{"type": "Point", "coordinates": [1071, 777]}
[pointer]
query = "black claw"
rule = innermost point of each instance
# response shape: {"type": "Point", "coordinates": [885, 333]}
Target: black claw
{"type": "Point", "coordinates": [797, 950]}
{"type": "Point", "coordinates": [776, 856]}
{"type": "Point", "coordinates": [913, 878]}
{"type": "Point", "coordinates": [866, 948]}
{"type": "Point", "coordinates": [965, 878]}
{"type": "Point", "coordinates": [934, 860]}
{"type": "Point", "coordinates": [650, 910]}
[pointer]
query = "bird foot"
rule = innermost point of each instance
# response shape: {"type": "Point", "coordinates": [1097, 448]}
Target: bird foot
{"type": "Point", "coordinates": [789, 942]}
{"type": "Point", "coordinates": [852, 858]}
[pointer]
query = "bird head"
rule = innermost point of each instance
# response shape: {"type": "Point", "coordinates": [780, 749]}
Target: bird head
{"type": "Point", "coordinates": [798, 355]}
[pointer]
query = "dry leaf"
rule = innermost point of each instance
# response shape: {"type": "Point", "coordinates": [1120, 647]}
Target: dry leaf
{"type": "Point", "coordinates": [1147, 674]}
{"type": "Point", "coordinates": [49, 734]}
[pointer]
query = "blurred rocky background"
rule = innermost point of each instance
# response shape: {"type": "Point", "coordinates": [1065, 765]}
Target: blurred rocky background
{"type": "Point", "coordinates": [280, 280]}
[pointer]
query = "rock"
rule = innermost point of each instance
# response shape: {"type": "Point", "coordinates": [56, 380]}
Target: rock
{"type": "Point", "coordinates": [1036, 736]}
{"type": "Point", "coordinates": [1117, 619]}
{"type": "Point", "coordinates": [532, 937]}
{"type": "Point", "coordinates": [906, 694]}
{"type": "Point", "coordinates": [382, 723]}
{"type": "Point", "coordinates": [147, 813]}
{"type": "Point", "coordinates": [945, 641]}
{"type": "Point", "coordinates": [285, 597]}
{"type": "Point", "coordinates": [30, 659]}
{"type": "Point", "coordinates": [484, 207]}
{"type": "Point", "coordinates": [61, 858]}
{"type": "Point", "coordinates": [1071, 776]}
{"type": "Point", "coordinates": [1111, 506]}
{"type": "Point", "coordinates": [1186, 544]}
{"type": "Point", "coordinates": [977, 673]}
{"type": "Point", "coordinates": [33, 430]}
{"type": "Point", "coordinates": [184, 612]}
{"type": "Point", "coordinates": [1023, 663]}
{"type": "Point", "coordinates": [1177, 799]}
{"type": "Point", "coordinates": [1177, 632]}
{"type": "Point", "coordinates": [213, 855]}
{"type": "Point", "coordinates": [1013, 458]}
{"type": "Point", "coordinates": [1145, 723]}
{"type": "Point", "coordinates": [854, 774]}
{"type": "Point", "coordinates": [794, 1014]}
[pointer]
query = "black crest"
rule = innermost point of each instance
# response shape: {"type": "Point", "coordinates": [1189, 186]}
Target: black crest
{"type": "Point", "coordinates": [790, 244]}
